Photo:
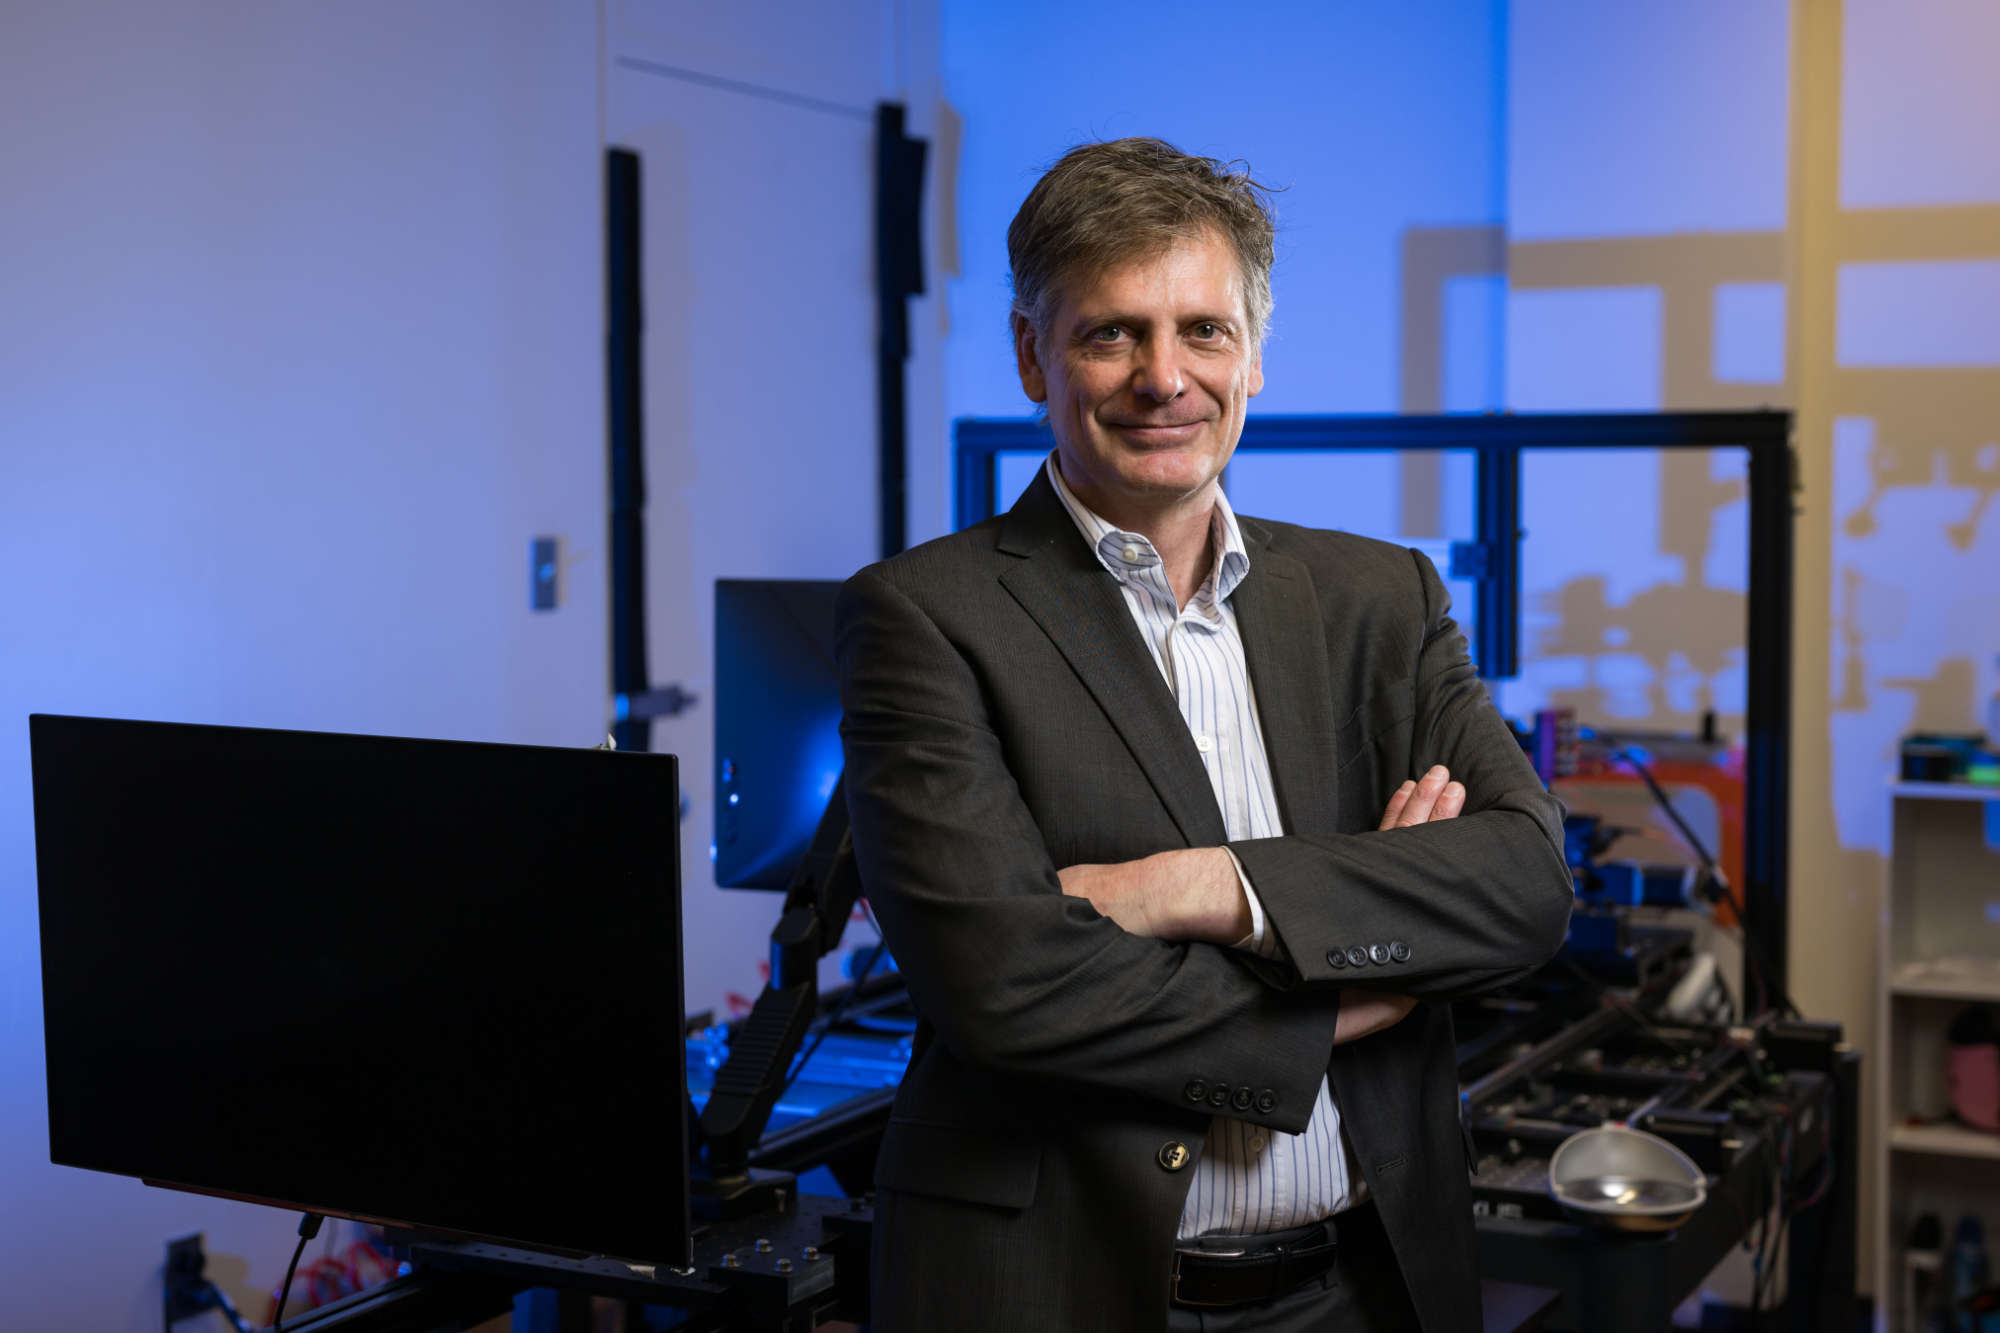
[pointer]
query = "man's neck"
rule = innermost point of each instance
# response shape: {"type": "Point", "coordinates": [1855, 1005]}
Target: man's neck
{"type": "Point", "coordinates": [1182, 531]}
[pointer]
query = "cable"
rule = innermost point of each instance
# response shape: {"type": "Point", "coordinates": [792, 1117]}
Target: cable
{"type": "Point", "coordinates": [308, 1228]}
{"type": "Point", "coordinates": [1770, 1239]}
{"type": "Point", "coordinates": [1753, 947]}
{"type": "Point", "coordinates": [1694, 841]}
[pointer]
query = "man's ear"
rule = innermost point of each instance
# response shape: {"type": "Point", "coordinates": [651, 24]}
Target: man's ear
{"type": "Point", "coordinates": [1028, 361]}
{"type": "Point", "coordinates": [1257, 371]}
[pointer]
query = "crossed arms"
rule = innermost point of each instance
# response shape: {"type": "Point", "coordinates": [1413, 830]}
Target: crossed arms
{"type": "Point", "coordinates": [1197, 893]}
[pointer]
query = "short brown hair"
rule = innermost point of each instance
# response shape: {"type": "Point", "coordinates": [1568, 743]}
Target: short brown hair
{"type": "Point", "coordinates": [1104, 204]}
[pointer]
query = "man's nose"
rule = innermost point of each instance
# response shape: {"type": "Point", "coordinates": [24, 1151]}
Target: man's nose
{"type": "Point", "coordinates": [1159, 371]}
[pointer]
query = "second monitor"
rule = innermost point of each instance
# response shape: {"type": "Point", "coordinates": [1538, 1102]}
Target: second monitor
{"type": "Point", "coordinates": [777, 725]}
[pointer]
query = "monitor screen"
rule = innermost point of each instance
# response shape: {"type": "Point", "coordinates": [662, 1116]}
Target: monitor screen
{"type": "Point", "coordinates": [429, 983]}
{"type": "Point", "coordinates": [777, 725]}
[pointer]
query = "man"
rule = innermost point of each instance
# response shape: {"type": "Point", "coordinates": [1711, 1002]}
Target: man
{"type": "Point", "coordinates": [1183, 829]}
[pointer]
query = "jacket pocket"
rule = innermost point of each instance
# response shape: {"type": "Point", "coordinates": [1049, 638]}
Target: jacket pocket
{"type": "Point", "coordinates": [955, 1162]}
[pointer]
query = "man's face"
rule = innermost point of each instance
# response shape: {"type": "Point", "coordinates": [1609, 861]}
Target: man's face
{"type": "Point", "coordinates": [1146, 371]}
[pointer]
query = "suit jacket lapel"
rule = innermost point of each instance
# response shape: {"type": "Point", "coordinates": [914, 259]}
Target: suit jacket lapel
{"type": "Point", "coordinates": [1284, 641]}
{"type": "Point", "coordinates": [1079, 606]}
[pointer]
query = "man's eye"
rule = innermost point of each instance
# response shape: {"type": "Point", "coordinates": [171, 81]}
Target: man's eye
{"type": "Point", "coordinates": [1108, 333]}
{"type": "Point", "coordinates": [1208, 331]}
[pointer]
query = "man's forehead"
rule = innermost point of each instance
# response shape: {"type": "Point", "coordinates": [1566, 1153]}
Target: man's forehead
{"type": "Point", "coordinates": [1095, 284]}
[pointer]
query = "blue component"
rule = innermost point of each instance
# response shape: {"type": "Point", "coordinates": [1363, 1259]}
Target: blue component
{"type": "Point", "coordinates": [1592, 934]}
{"type": "Point", "coordinates": [820, 1181]}
{"type": "Point", "coordinates": [856, 960]}
{"type": "Point", "coordinates": [1579, 836]}
{"type": "Point", "coordinates": [1637, 885]}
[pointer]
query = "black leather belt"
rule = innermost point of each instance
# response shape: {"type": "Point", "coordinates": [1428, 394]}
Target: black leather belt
{"type": "Point", "coordinates": [1248, 1269]}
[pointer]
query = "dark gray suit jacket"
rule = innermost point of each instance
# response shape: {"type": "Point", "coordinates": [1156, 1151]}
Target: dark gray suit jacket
{"type": "Point", "coordinates": [1003, 719]}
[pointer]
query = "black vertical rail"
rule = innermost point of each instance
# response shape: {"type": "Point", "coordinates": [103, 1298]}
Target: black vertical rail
{"type": "Point", "coordinates": [624, 331]}
{"type": "Point", "coordinates": [899, 274]}
{"type": "Point", "coordinates": [1768, 708]}
{"type": "Point", "coordinates": [1497, 646]}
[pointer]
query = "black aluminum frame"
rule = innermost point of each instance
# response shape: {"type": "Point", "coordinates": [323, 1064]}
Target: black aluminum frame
{"type": "Point", "coordinates": [1494, 563]}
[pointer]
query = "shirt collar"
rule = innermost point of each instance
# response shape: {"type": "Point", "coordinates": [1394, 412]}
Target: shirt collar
{"type": "Point", "coordinates": [1123, 553]}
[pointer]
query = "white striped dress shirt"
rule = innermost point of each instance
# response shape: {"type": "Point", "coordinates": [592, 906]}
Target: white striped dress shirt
{"type": "Point", "coordinates": [1249, 1178]}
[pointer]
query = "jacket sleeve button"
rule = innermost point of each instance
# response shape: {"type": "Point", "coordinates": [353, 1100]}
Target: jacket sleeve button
{"type": "Point", "coordinates": [1218, 1096]}
{"type": "Point", "coordinates": [1267, 1102]}
{"type": "Point", "coordinates": [1399, 951]}
{"type": "Point", "coordinates": [1335, 959]}
{"type": "Point", "coordinates": [1357, 957]}
{"type": "Point", "coordinates": [1195, 1091]}
{"type": "Point", "coordinates": [1243, 1099]}
{"type": "Point", "coordinates": [1378, 954]}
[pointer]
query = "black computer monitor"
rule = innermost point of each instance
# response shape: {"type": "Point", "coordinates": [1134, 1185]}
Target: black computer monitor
{"type": "Point", "coordinates": [777, 725]}
{"type": "Point", "coordinates": [428, 983]}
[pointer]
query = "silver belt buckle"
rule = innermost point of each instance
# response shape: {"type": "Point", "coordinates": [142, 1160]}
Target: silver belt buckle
{"type": "Point", "coordinates": [1174, 1285]}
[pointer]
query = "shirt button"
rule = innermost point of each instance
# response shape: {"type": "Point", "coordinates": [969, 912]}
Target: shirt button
{"type": "Point", "coordinates": [1256, 1143]}
{"type": "Point", "coordinates": [1204, 744]}
{"type": "Point", "coordinates": [1131, 554]}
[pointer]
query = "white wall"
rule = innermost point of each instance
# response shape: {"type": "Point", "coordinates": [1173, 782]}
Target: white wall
{"type": "Point", "coordinates": [301, 344]}
{"type": "Point", "coordinates": [301, 339]}
{"type": "Point", "coordinates": [755, 130]}
{"type": "Point", "coordinates": [1646, 167]}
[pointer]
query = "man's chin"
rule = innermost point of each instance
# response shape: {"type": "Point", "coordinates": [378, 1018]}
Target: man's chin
{"type": "Point", "coordinates": [1160, 490]}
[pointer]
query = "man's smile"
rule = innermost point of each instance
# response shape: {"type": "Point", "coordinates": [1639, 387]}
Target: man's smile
{"type": "Point", "coordinates": [1162, 436]}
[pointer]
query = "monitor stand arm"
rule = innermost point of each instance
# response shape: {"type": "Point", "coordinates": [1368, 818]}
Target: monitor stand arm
{"type": "Point", "coordinates": [766, 1041]}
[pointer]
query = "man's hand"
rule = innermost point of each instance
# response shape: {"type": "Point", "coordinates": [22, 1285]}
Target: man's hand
{"type": "Point", "coordinates": [1364, 1013]}
{"type": "Point", "coordinates": [1195, 894]}
{"type": "Point", "coordinates": [1184, 895]}
{"type": "Point", "coordinates": [1434, 796]}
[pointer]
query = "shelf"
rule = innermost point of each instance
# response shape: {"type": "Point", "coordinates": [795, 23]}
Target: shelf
{"type": "Point", "coordinates": [1974, 979]}
{"type": "Point", "coordinates": [1945, 1141]}
{"type": "Point", "coordinates": [1944, 791]}
{"type": "Point", "coordinates": [1939, 949]}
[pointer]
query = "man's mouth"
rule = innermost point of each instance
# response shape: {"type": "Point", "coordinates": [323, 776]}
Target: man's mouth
{"type": "Point", "coordinates": [1163, 433]}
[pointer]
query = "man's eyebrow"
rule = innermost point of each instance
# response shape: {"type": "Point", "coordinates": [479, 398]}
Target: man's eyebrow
{"type": "Point", "coordinates": [1090, 319]}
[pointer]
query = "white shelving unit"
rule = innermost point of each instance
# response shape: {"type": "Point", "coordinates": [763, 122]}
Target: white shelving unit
{"type": "Point", "coordinates": [1940, 951]}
